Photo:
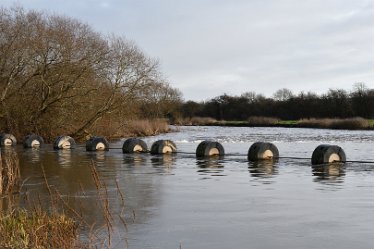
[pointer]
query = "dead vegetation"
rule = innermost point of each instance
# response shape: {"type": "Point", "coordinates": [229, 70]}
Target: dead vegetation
{"type": "Point", "coordinates": [196, 121]}
{"type": "Point", "coordinates": [59, 76]}
{"type": "Point", "coordinates": [9, 172]}
{"type": "Point", "coordinates": [260, 120]}
{"type": "Point", "coordinates": [54, 223]}
{"type": "Point", "coordinates": [328, 123]}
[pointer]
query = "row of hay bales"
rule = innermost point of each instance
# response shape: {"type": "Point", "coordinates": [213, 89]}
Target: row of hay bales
{"type": "Point", "coordinates": [323, 154]}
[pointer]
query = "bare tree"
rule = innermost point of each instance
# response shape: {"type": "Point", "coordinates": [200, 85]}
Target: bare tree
{"type": "Point", "coordinates": [58, 75]}
{"type": "Point", "coordinates": [283, 94]}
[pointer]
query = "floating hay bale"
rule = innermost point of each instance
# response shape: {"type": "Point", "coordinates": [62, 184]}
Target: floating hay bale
{"type": "Point", "coordinates": [132, 145]}
{"type": "Point", "coordinates": [209, 148]}
{"type": "Point", "coordinates": [64, 143]}
{"type": "Point", "coordinates": [7, 140]}
{"type": "Point", "coordinates": [163, 147]}
{"type": "Point", "coordinates": [326, 153]}
{"type": "Point", "coordinates": [262, 151]}
{"type": "Point", "coordinates": [33, 141]}
{"type": "Point", "coordinates": [97, 144]}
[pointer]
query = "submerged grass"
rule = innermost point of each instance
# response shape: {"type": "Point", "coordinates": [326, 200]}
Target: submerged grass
{"type": "Point", "coordinates": [52, 223]}
{"type": "Point", "coordinates": [9, 172]}
{"type": "Point", "coordinates": [34, 228]}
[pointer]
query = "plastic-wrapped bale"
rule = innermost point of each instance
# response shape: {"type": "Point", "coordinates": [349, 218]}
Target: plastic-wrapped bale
{"type": "Point", "coordinates": [97, 144]}
{"type": "Point", "coordinates": [33, 141]}
{"type": "Point", "coordinates": [163, 147]}
{"type": "Point", "coordinates": [262, 151]}
{"type": "Point", "coordinates": [326, 153]}
{"type": "Point", "coordinates": [209, 148]}
{"type": "Point", "coordinates": [64, 143]}
{"type": "Point", "coordinates": [7, 140]}
{"type": "Point", "coordinates": [132, 145]}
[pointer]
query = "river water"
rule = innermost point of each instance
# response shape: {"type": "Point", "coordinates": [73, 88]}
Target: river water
{"type": "Point", "coordinates": [178, 201]}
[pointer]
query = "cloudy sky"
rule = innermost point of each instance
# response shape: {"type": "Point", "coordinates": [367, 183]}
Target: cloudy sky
{"type": "Point", "coordinates": [210, 47]}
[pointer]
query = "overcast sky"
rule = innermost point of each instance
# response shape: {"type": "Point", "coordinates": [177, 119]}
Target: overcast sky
{"type": "Point", "coordinates": [210, 47]}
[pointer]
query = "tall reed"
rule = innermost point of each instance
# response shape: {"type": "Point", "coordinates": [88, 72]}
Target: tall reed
{"type": "Point", "coordinates": [139, 127]}
{"type": "Point", "coordinates": [9, 172]}
{"type": "Point", "coordinates": [53, 223]}
{"type": "Point", "coordinates": [347, 123]}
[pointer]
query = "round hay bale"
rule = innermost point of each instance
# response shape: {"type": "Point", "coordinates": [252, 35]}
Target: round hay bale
{"type": "Point", "coordinates": [163, 147]}
{"type": "Point", "coordinates": [209, 148]}
{"type": "Point", "coordinates": [64, 143]}
{"type": "Point", "coordinates": [97, 144]}
{"type": "Point", "coordinates": [132, 145]}
{"type": "Point", "coordinates": [326, 153]}
{"type": "Point", "coordinates": [262, 151]}
{"type": "Point", "coordinates": [7, 140]}
{"type": "Point", "coordinates": [33, 141]}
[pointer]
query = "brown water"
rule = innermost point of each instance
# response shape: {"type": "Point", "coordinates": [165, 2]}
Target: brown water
{"type": "Point", "coordinates": [179, 201]}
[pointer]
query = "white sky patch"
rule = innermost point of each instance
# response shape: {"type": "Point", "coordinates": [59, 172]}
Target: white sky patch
{"type": "Point", "coordinates": [105, 4]}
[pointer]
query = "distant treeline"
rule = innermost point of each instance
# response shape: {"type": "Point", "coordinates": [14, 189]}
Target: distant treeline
{"type": "Point", "coordinates": [58, 76]}
{"type": "Point", "coordinates": [285, 105]}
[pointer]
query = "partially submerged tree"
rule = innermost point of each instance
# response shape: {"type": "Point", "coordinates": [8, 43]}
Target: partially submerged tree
{"type": "Point", "coordinates": [57, 75]}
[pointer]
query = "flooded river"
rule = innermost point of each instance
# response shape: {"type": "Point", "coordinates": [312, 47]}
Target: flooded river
{"type": "Point", "coordinates": [178, 201]}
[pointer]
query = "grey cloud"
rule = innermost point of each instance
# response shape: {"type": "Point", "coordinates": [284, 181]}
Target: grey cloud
{"type": "Point", "coordinates": [207, 48]}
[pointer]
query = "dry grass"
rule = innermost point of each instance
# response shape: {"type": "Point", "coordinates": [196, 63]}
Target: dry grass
{"type": "Point", "coordinates": [328, 123]}
{"type": "Point", "coordinates": [146, 127]}
{"type": "Point", "coordinates": [197, 121]}
{"type": "Point", "coordinates": [259, 120]}
{"type": "Point", "coordinates": [53, 223]}
{"type": "Point", "coordinates": [37, 229]}
{"type": "Point", "coordinates": [9, 172]}
{"type": "Point", "coordinates": [134, 128]}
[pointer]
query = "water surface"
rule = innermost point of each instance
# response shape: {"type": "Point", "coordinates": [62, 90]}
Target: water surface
{"type": "Point", "coordinates": [179, 201]}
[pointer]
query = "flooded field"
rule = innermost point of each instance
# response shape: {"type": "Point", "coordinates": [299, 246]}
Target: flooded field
{"type": "Point", "coordinates": [177, 201]}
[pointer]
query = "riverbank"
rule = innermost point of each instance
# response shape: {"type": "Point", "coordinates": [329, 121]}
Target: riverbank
{"type": "Point", "coordinates": [132, 128]}
{"type": "Point", "coordinates": [326, 123]}
{"type": "Point", "coordinates": [52, 222]}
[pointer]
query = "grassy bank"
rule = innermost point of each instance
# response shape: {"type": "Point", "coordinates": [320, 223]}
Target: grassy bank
{"type": "Point", "coordinates": [356, 123]}
{"type": "Point", "coordinates": [37, 229]}
{"type": "Point", "coordinates": [34, 228]}
{"type": "Point", "coordinates": [50, 223]}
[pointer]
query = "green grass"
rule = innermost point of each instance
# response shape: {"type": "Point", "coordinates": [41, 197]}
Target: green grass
{"type": "Point", "coordinates": [371, 122]}
{"type": "Point", "coordinates": [288, 122]}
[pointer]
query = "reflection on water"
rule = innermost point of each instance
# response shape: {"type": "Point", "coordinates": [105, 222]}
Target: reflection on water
{"type": "Point", "coordinates": [34, 154]}
{"type": "Point", "coordinates": [173, 201]}
{"type": "Point", "coordinates": [209, 163]}
{"type": "Point", "coordinates": [212, 166]}
{"type": "Point", "coordinates": [163, 164]}
{"type": "Point", "coordinates": [98, 157]}
{"type": "Point", "coordinates": [133, 160]}
{"type": "Point", "coordinates": [331, 173]}
{"type": "Point", "coordinates": [64, 158]}
{"type": "Point", "coordinates": [263, 168]}
{"type": "Point", "coordinates": [165, 160]}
